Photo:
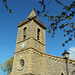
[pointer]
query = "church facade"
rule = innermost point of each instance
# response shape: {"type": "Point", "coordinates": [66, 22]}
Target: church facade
{"type": "Point", "coordinates": [30, 57]}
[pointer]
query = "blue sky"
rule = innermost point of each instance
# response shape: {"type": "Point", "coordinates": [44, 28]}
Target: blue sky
{"type": "Point", "coordinates": [21, 10]}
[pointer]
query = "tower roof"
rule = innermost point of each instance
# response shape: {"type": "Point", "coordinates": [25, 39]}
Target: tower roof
{"type": "Point", "coordinates": [32, 16]}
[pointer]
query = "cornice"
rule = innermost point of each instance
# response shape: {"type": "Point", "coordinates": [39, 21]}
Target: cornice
{"type": "Point", "coordinates": [30, 19]}
{"type": "Point", "coordinates": [48, 56]}
{"type": "Point", "coordinates": [23, 40]}
{"type": "Point", "coordinates": [38, 41]}
{"type": "Point", "coordinates": [29, 38]}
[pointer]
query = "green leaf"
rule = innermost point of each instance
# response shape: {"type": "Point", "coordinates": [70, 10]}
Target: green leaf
{"type": "Point", "coordinates": [67, 24]}
{"type": "Point", "coordinates": [39, 1]}
{"type": "Point", "coordinates": [70, 39]}
{"type": "Point", "coordinates": [52, 36]}
{"type": "Point", "coordinates": [73, 26]}
{"type": "Point", "coordinates": [45, 27]}
{"type": "Point", "coordinates": [56, 15]}
{"type": "Point", "coordinates": [45, 14]}
{"type": "Point", "coordinates": [59, 17]}
{"type": "Point", "coordinates": [7, 9]}
{"type": "Point", "coordinates": [52, 24]}
{"type": "Point", "coordinates": [38, 12]}
{"type": "Point", "coordinates": [48, 19]}
{"type": "Point", "coordinates": [68, 18]}
{"type": "Point", "coordinates": [6, 6]}
{"type": "Point", "coordinates": [10, 11]}
{"type": "Point", "coordinates": [51, 17]}
{"type": "Point", "coordinates": [53, 33]}
{"type": "Point", "coordinates": [55, 19]}
{"type": "Point", "coordinates": [64, 35]}
{"type": "Point", "coordinates": [63, 13]}
{"type": "Point", "coordinates": [71, 35]}
{"type": "Point", "coordinates": [63, 25]}
{"type": "Point", "coordinates": [68, 32]}
{"type": "Point", "coordinates": [49, 31]}
{"type": "Point", "coordinates": [66, 41]}
{"type": "Point", "coordinates": [63, 44]}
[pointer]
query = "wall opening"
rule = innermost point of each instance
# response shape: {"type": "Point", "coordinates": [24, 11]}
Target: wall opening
{"type": "Point", "coordinates": [38, 34]}
{"type": "Point", "coordinates": [24, 32]}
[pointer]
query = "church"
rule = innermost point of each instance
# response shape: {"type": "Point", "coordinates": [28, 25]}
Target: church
{"type": "Point", "coordinates": [30, 56]}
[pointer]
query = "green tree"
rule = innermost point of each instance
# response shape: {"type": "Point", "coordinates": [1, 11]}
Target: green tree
{"type": "Point", "coordinates": [7, 65]}
{"type": "Point", "coordinates": [67, 13]}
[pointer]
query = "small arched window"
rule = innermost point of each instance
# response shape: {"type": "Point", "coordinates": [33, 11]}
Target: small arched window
{"type": "Point", "coordinates": [38, 34]}
{"type": "Point", "coordinates": [24, 32]}
{"type": "Point", "coordinates": [62, 74]}
{"type": "Point", "coordinates": [21, 62]}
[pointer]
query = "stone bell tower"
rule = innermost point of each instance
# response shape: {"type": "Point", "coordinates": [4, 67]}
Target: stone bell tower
{"type": "Point", "coordinates": [31, 36]}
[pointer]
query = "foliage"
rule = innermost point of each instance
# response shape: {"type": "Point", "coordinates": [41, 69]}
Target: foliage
{"type": "Point", "coordinates": [67, 14]}
{"type": "Point", "coordinates": [7, 65]}
{"type": "Point", "coordinates": [6, 6]}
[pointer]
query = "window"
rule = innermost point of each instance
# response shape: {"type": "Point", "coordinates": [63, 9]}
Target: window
{"type": "Point", "coordinates": [22, 63]}
{"type": "Point", "coordinates": [38, 33]}
{"type": "Point", "coordinates": [62, 74]}
{"type": "Point", "coordinates": [24, 32]}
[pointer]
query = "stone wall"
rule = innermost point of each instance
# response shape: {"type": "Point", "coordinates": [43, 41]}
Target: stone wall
{"type": "Point", "coordinates": [44, 64]}
{"type": "Point", "coordinates": [38, 63]}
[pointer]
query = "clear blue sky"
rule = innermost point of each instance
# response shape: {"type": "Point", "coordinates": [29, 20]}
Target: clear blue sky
{"type": "Point", "coordinates": [21, 10]}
